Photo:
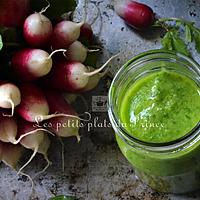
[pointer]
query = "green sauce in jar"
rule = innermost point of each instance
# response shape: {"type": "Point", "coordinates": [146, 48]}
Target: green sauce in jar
{"type": "Point", "coordinates": [161, 107]}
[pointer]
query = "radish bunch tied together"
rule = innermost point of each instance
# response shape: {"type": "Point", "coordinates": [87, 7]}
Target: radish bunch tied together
{"type": "Point", "coordinates": [33, 94]}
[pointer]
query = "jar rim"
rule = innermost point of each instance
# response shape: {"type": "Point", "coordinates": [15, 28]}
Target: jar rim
{"type": "Point", "coordinates": [133, 141]}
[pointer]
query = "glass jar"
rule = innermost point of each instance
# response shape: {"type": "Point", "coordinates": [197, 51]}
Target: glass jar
{"type": "Point", "coordinates": [172, 167]}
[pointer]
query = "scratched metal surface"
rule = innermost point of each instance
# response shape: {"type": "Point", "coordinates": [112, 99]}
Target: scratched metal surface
{"type": "Point", "coordinates": [95, 169]}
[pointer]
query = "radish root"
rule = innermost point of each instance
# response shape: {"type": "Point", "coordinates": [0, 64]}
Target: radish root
{"type": "Point", "coordinates": [93, 50]}
{"type": "Point", "coordinates": [42, 118]}
{"type": "Point", "coordinates": [101, 68]}
{"type": "Point", "coordinates": [58, 50]}
{"type": "Point", "coordinates": [30, 133]}
{"type": "Point", "coordinates": [62, 153]}
{"type": "Point", "coordinates": [45, 9]}
{"type": "Point", "coordinates": [30, 159]}
{"type": "Point", "coordinates": [12, 108]}
{"type": "Point", "coordinates": [31, 180]}
{"type": "Point", "coordinates": [48, 163]}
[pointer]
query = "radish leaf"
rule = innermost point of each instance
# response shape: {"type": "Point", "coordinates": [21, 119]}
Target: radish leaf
{"type": "Point", "coordinates": [197, 42]}
{"type": "Point", "coordinates": [179, 45]}
{"type": "Point", "coordinates": [167, 41]}
{"type": "Point", "coordinates": [188, 34]}
{"type": "Point", "coordinates": [62, 197]}
{"type": "Point", "coordinates": [174, 41]}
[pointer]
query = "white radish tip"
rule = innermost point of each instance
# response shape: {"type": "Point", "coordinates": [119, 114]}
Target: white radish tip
{"type": "Point", "coordinates": [80, 24]}
{"type": "Point", "coordinates": [120, 7]}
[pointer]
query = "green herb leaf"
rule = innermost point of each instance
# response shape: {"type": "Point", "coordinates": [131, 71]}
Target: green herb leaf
{"type": "Point", "coordinates": [197, 41]}
{"type": "Point", "coordinates": [62, 197]}
{"type": "Point", "coordinates": [56, 9]}
{"type": "Point", "coordinates": [188, 34]}
{"type": "Point", "coordinates": [179, 45]}
{"type": "Point", "coordinates": [1, 43]}
{"type": "Point", "coordinates": [167, 41]}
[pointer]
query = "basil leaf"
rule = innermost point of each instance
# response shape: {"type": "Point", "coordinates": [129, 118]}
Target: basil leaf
{"type": "Point", "coordinates": [167, 41]}
{"type": "Point", "coordinates": [197, 41]}
{"type": "Point", "coordinates": [56, 9]}
{"type": "Point", "coordinates": [188, 34]}
{"type": "Point", "coordinates": [1, 43]}
{"type": "Point", "coordinates": [179, 45]}
{"type": "Point", "coordinates": [62, 197]}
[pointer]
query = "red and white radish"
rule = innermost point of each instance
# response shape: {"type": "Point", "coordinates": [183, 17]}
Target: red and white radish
{"type": "Point", "coordinates": [37, 30]}
{"type": "Point", "coordinates": [86, 33]}
{"type": "Point", "coordinates": [78, 52]}
{"type": "Point", "coordinates": [34, 106]}
{"type": "Point", "coordinates": [30, 64]}
{"type": "Point", "coordinates": [72, 76]}
{"type": "Point", "coordinates": [65, 33]}
{"type": "Point", "coordinates": [10, 96]}
{"type": "Point", "coordinates": [13, 12]}
{"type": "Point", "coordinates": [137, 15]}
{"type": "Point", "coordinates": [62, 126]}
{"type": "Point", "coordinates": [32, 141]}
{"type": "Point", "coordinates": [11, 154]}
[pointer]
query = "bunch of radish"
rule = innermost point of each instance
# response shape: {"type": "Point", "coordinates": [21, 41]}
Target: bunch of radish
{"type": "Point", "coordinates": [34, 97]}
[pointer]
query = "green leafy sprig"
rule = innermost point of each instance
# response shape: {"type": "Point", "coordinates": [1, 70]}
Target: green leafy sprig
{"type": "Point", "coordinates": [172, 39]}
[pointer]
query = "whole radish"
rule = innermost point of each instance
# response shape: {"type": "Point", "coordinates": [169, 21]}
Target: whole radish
{"type": "Point", "coordinates": [65, 33]}
{"type": "Point", "coordinates": [86, 34]}
{"type": "Point", "coordinates": [11, 154]}
{"type": "Point", "coordinates": [13, 12]}
{"type": "Point", "coordinates": [137, 15]}
{"type": "Point", "coordinates": [78, 52]}
{"type": "Point", "coordinates": [72, 76]}
{"type": "Point", "coordinates": [34, 106]}
{"type": "Point", "coordinates": [10, 96]}
{"type": "Point", "coordinates": [30, 64]}
{"type": "Point", "coordinates": [62, 126]}
{"type": "Point", "coordinates": [37, 30]}
{"type": "Point", "coordinates": [34, 141]}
